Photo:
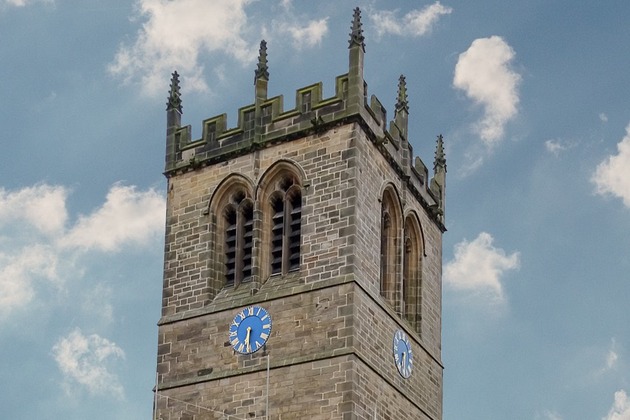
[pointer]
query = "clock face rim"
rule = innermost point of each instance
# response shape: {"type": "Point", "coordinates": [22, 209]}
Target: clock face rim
{"type": "Point", "coordinates": [254, 317]}
{"type": "Point", "coordinates": [401, 338]}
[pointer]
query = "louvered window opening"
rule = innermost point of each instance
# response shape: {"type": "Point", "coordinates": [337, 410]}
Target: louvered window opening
{"type": "Point", "coordinates": [286, 230]}
{"type": "Point", "coordinates": [385, 232]}
{"type": "Point", "coordinates": [239, 241]}
{"type": "Point", "coordinates": [407, 303]}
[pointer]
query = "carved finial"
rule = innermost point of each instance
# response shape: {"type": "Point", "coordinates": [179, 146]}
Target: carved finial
{"type": "Point", "coordinates": [356, 36]}
{"type": "Point", "coordinates": [401, 100]}
{"type": "Point", "coordinates": [174, 96]}
{"type": "Point", "coordinates": [440, 157]}
{"type": "Point", "coordinates": [262, 72]}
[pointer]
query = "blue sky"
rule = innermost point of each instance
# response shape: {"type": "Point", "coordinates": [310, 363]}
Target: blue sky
{"type": "Point", "coordinates": [533, 100]}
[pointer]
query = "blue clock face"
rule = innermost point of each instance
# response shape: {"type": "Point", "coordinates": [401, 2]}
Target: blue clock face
{"type": "Point", "coordinates": [403, 355]}
{"type": "Point", "coordinates": [250, 329]}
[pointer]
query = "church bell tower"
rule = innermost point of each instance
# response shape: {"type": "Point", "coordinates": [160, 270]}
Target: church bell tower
{"type": "Point", "coordinates": [302, 259]}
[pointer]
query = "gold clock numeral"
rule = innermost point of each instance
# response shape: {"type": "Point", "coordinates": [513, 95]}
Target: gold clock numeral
{"type": "Point", "coordinates": [234, 342]}
{"type": "Point", "coordinates": [241, 347]}
{"type": "Point", "coordinates": [264, 335]}
{"type": "Point", "coordinates": [250, 311]}
{"type": "Point", "coordinates": [233, 333]}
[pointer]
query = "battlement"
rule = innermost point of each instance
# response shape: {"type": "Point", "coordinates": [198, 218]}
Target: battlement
{"type": "Point", "coordinates": [265, 122]}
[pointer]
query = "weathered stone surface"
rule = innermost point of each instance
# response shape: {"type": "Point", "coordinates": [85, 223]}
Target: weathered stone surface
{"type": "Point", "coordinates": [330, 349]}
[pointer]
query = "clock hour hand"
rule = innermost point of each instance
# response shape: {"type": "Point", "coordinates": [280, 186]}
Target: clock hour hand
{"type": "Point", "coordinates": [249, 331]}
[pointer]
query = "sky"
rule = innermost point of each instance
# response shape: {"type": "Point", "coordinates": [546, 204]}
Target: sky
{"type": "Point", "coordinates": [533, 100]}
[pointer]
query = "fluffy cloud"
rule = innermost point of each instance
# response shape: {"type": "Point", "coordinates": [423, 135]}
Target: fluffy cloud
{"type": "Point", "coordinates": [128, 216]}
{"type": "Point", "coordinates": [31, 257]}
{"type": "Point", "coordinates": [483, 72]}
{"type": "Point", "coordinates": [621, 407]}
{"type": "Point", "coordinates": [174, 35]}
{"type": "Point", "coordinates": [478, 267]}
{"type": "Point", "coordinates": [179, 35]}
{"type": "Point", "coordinates": [20, 270]}
{"type": "Point", "coordinates": [612, 176]}
{"type": "Point", "coordinates": [84, 361]}
{"type": "Point", "coordinates": [415, 23]}
{"type": "Point", "coordinates": [40, 206]}
{"type": "Point", "coordinates": [309, 35]}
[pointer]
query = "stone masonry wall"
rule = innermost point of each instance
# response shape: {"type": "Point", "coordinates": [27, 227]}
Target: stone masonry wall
{"type": "Point", "coordinates": [322, 315]}
{"type": "Point", "coordinates": [315, 335]}
{"type": "Point", "coordinates": [328, 204]}
{"type": "Point", "coordinates": [373, 173]}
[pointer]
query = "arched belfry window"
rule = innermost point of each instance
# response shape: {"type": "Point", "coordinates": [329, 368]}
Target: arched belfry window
{"type": "Point", "coordinates": [280, 193]}
{"type": "Point", "coordinates": [239, 238]}
{"type": "Point", "coordinates": [390, 247]}
{"type": "Point", "coordinates": [286, 223]}
{"type": "Point", "coordinates": [412, 273]}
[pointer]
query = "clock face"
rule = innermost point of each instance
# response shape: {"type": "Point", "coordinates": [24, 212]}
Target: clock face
{"type": "Point", "coordinates": [250, 329]}
{"type": "Point", "coordinates": [403, 355]}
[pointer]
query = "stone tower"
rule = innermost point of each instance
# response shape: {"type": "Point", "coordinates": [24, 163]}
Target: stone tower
{"type": "Point", "coordinates": [303, 260]}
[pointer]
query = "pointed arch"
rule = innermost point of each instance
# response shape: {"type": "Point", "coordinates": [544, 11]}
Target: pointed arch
{"type": "Point", "coordinates": [391, 227]}
{"type": "Point", "coordinates": [226, 186]}
{"type": "Point", "coordinates": [413, 252]}
{"type": "Point", "coordinates": [231, 211]}
{"type": "Point", "coordinates": [279, 192]}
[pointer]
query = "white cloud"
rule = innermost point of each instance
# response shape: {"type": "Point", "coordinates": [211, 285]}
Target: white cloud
{"type": "Point", "coordinates": [415, 23]}
{"type": "Point", "coordinates": [612, 357]}
{"type": "Point", "coordinates": [620, 409]}
{"type": "Point", "coordinates": [22, 3]}
{"type": "Point", "coordinates": [603, 117]}
{"type": "Point", "coordinates": [41, 206]}
{"type": "Point", "coordinates": [478, 267]}
{"type": "Point", "coordinates": [483, 72]}
{"type": "Point", "coordinates": [39, 252]}
{"type": "Point", "coordinates": [180, 35]}
{"type": "Point", "coordinates": [612, 176]}
{"type": "Point", "coordinates": [557, 146]}
{"type": "Point", "coordinates": [19, 271]}
{"type": "Point", "coordinates": [552, 415]}
{"type": "Point", "coordinates": [84, 360]}
{"type": "Point", "coordinates": [174, 35]}
{"type": "Point", "coordinates": [128, 216]}
{"type": "Point", "coordinates": [309, 35]}
{"type": "Point", "coordinates": [554, 146]}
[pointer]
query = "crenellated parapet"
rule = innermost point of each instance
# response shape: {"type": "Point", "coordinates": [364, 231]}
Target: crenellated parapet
{"type": "Point", "coordinates": [265, 122]}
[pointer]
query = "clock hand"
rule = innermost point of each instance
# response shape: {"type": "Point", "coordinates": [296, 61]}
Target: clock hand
{"type": "Point", "coordinates": [249, 331]}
